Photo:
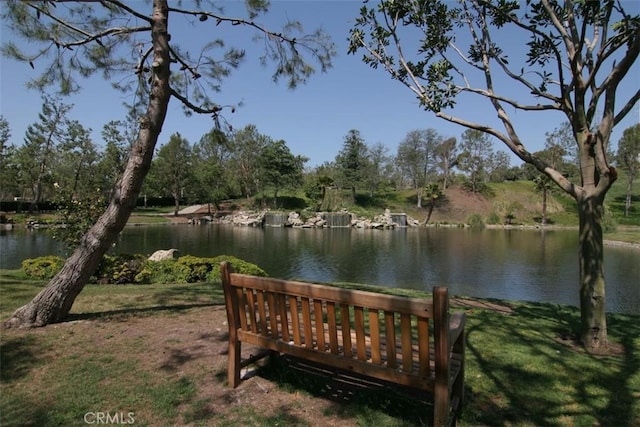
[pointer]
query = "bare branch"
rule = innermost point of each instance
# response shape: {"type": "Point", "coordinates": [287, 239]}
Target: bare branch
{"type": "Point", "coordinates": [119, 4]}
{"type": "Point", "coordinates": [627, 107]}
{"type": "Point", "coordinates": [512, 102]}
{"type": "Point", "coordinates": [204, 15]}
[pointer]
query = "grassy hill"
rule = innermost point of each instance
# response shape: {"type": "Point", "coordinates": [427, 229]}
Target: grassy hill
{"type": "Point", "coordinates": [519, 199]}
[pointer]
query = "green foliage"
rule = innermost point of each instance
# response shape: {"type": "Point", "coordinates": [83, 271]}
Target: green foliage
{"type": "Point", "coordinates": [165, 271]}
{"type": "Point", "coordinates": [77, 216]}
{"type": "Point", "coordinates": [43, 268]}
{"type": "Point", "coordinates": [194, 268]}
{"type": "Point", "coordinates": [475, 221]}
{"type": "Point", "coordinates": [609, 224]}
{"type": "Point", "coordinates": [494, 218]}
{"type": "Point", "coordinates": [119, 269]}
{"type": "Point", "coordinates": [126, 268]}
{"type": "Point", "coordinates": [239, 266]}
{"type": "Point", "coordinates": [190, 269]}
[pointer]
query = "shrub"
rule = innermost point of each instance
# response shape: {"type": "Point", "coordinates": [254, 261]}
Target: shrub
{"type": "Point", "coordinates": [239, 266]}
{"type": "Point", "coordinates": [126, 268]}
{"type": "Point", "coordinates": [120, 268]}
{"type": "Point", "coordinates": [475, 221]}
{"type": "Point", "coordinates": [494, 218]}
{"type": "Point", "coordinates": [196, 269]}
{"type": "Point", "coordinates": [42, 268]}
{"type": "Point", "coordinates": [166, 271]}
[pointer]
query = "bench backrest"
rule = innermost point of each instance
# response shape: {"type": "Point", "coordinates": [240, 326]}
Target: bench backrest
{"type": "Point", "coordinates": [384, 331]}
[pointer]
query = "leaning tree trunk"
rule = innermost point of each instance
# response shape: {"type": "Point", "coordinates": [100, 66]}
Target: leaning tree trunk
{"type": "Point", "coordinates": [54, 302]}
{"type": "Point", "coordinates": [592, 282]}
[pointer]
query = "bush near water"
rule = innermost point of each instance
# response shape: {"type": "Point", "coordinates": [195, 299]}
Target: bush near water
{"type": "Point", "coordinates": [127, 268]}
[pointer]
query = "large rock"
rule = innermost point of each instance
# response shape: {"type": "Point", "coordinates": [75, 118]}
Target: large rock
{"type": "Point", "coordinates": [164, 254]}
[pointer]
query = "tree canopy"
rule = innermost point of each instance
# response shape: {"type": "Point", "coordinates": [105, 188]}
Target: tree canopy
{"type": "Point", "coordinates": [135, 47]}
{"type": "Point", "coordinates": [561, 56]}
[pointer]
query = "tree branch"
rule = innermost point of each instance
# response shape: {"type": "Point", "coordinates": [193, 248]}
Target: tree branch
{"type": "Point", "coordinates": [132, 11]}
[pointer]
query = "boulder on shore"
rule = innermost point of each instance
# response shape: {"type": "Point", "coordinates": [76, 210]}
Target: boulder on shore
{"type": "Point", "coordinates": [164, 254]}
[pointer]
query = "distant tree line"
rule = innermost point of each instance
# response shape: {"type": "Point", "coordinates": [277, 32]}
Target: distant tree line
{"type": "Point", "coordinates": [58, 164]}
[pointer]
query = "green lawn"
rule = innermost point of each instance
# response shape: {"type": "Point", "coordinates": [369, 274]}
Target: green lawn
{"type": "Point", "coordinates": [522, 369]}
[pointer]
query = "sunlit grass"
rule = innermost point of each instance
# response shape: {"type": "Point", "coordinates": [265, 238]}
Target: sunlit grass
{"type": "Point", "coordinates": [522, 366]}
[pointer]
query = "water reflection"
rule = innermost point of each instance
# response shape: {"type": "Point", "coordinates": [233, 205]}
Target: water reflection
{"type": "Point", "coordinates": [527, 265]}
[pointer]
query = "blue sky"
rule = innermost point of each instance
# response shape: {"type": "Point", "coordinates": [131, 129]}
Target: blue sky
{"type": "Point", "coordinates": [314, 118]}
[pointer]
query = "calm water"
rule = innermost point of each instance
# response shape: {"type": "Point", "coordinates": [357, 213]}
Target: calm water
{"type": "Point", "coordinates": [526, 265]}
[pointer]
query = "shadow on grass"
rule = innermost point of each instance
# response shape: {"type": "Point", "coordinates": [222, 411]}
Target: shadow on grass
{"type": "Point", "coordinates": [18, 355]}
{"type": "Point", "coordinates": [355, 396]}
{"type": "Point", "coordinates": [130, 312]}
{"type": "Point", "coordinates": [534, 372]}
{"type": "Point", "coordinates": [172, 299]}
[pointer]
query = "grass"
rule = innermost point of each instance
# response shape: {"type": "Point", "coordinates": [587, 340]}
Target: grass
{"type": "Point", "coordinates": [523, 368]}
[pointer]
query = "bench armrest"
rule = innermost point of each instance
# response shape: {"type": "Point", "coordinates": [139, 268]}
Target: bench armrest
{"type": "Point", "coordinates": [456, 326]}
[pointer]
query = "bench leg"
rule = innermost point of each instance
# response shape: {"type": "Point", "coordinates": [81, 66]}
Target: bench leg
{"type": "Point", "coordinates": [458, 385]}
{"type": "Point", "coordinates": [441, 406]}
{"type": "Point", "coordinates": [233, 370]}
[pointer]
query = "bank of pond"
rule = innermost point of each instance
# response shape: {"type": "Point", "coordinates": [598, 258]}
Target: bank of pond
{"type": "Point", "coordinates": [513, 264]}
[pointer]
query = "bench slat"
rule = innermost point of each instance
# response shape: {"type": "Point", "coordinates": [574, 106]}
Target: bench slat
{"type": "Point", "coordinates": [374, 331]}
{"type": "Point", "coordinates": [320, 329]}
{"type": "Point", "coordinates": [360, 332]}
{"type": "Point", "coordinates": [423, 346]}
{"type": "Point", "coordinates": [306, 323]}
{"type": "Point", "coordinates": [405, 333]}
{"type": "Point", "coordinates": [262, 313]}
{"type": "Point", "coordinates": [295, 319]}
{"type": "Point", "coordinates": [390, 333]}
{"type": "Point", "coordinates": [333, 327]}
{"type": "Point", "coordinates": [345, 328]}
{"type": "Point", "coordinates": [273, 318]}
{"type": "Point", "coordinates": [251, 303]}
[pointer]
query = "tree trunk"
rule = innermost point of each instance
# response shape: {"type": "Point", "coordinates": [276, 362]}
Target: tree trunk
{"type": "Point", "coordinates": [627, 201]}
{"type": "Point", "coordinates": [544, 206]}
{"type": "Point", "coordinates": [429, 213]}
{"type": "Point", "coordinates": [592, 282]}
{"type": "Point", "coordinates": [176, 203]}
{"type": "Point", "coordinates": [54, 302]}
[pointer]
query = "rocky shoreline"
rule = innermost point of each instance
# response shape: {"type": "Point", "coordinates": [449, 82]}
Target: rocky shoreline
{"type": "Point", "coordinates": [342, 219]}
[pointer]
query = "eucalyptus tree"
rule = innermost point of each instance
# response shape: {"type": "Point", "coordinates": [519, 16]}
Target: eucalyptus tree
{"type": "Point", "coordinates": [629, 160]}
{"type": "Point", "coordinates": [135, 46]}
{"type": "Point", "coordinates": [476, 151]}
{"type": "Point", "coordinates": [499, 165]}
{"type": "Point", "coordinates": [566, 57]}
{"type": "Point", "coordinates": [446, 156]}
{"type": "Point", "coordinates": [379, 168]}
{"type": "Point", "coordinates": [352, 161]}
{"type": "Point", "coordinates": [416, 158]}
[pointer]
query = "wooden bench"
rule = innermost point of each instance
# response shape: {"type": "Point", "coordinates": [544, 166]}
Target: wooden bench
{"type": "Point", "coordinates": [408, 341]}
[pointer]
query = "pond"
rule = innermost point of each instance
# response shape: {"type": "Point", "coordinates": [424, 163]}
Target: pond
{"type": "Point", "coordinates": [529, 265]}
